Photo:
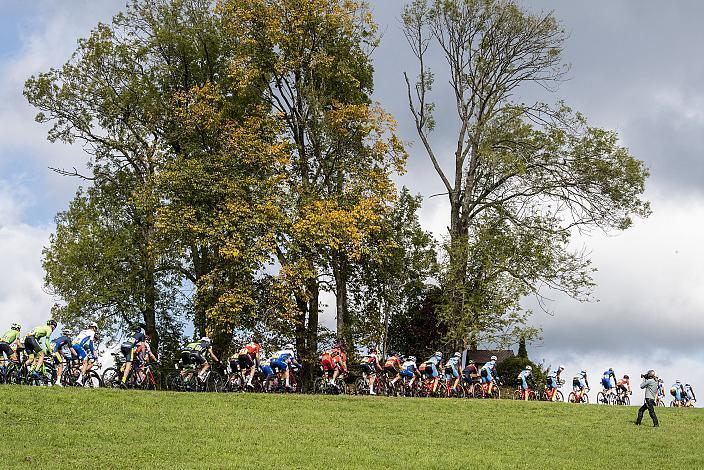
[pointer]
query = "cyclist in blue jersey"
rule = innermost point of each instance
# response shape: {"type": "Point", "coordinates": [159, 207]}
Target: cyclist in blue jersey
{"type": "Point", "coordinates": [283, 360]}
{"type": "Point", "coordinates": [689, 396]}
{"type": "Point", "coordinates": [62, 350]}
{"type": "Point", "coordinates": [489, 374]}
{"type": "Point", "coordinates": [524, 376]}
{"type": "Point", "coordinates": [431, 368]}
{"type": "Point", "coordinates": [553, 382]}
{"type": "Point", "coordinates": [409, 370]}
{"type": "Point", "coordinates": [608, 381]}
{"type": "Point", "coordinates": [84, 344]}
{"type": "Point", "coordinates": [452, 370]}
{"type": "Point", "coordinates": [677, 391]}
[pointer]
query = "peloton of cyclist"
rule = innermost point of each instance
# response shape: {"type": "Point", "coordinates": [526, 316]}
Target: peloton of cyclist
{"type": "Point", "coordinates": [248, 359]}
{"type": "Point", "coordinates": [452, 370]}
{"type": "Point", "coordinates": [409, 370]}
{"type": "Point", "coordinates": [392, 366]}
{"type": "Point", "coordinates": [9, 339]}
{"type": "Point", "coordinates": [580, 385]}
{"type": "Point", "coordinates": [431, 368]}
{"type": "Point", "coordinates": [525, 375]}
{"type": "Point", "coordinates": [282, 361]}
{"type": "Point", "coordinates": [370, 365]}
{"type": "Point", "coordinates": [553, 382]}
{"type": "Point", "coordinates": [34, 348]}
{"type": "Point", "coordinates": [84, 344]}
{"type": "Point", "coordinates": [608, 381]}
{"type": "Point", "coordinates": [61, 351]}
{"type": "Point", "coordinates": [489, 374]}
{"type": "Point", "coordinates": [129, 348]}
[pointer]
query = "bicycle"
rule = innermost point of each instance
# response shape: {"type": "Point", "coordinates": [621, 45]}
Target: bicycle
{"type": "Point", "coordinates": [519, 393]}
{"type": "Point", "coordinates": [483, 391]}
{"type": "Point", "coordinates": [72, 372]}
{"type": "Point", "coordinates": [556, 395]}
{"type": "Point", "coordinates": [621, 398]}
{"type": "Point", "coordinates": [606, 397]}
{"type": "Point", "coordinates": [471, 388]}
{"type": "Point", "coordinates": [580, 396]}
{"type": "Point", "coordinates": [323, 385]}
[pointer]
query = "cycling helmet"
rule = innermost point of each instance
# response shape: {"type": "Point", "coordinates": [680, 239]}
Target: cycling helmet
{"type": "Point", "coordinates": [66, 332]}
{"type": "Point", "coordinates": [471, 361]}
{"type": "Point", "coordinates": [493, 358]}
{"type": "Point", "coordinates": [93, 326]}
{"type": "Point", "coordinates": [584, 372]}
{"type": "Point", "coordinates": [205, 339]}
{"type": "Point", "coordinates": [626, 377]}
{"type": "Point", "coordinates": [289, 346]}
{"type": "Point", "coordinates": [51, 322]}
{"type": "Point", "coordinates": [561, 368]}
{"type": "Point", "coordinates": [687, 385]}
{"type": "Point", "coordinates": [437, 353]}
{"type": "Point", "coordinates": [611, 369]}
{"type": "Point", "coordinates": [412, 358]}
{"type": "Point", "coordinates": [15, 326]}
{"type": "Point", "coordinates": [677, 381]}
{"type": "Point", "coordinates": [457, 354]}
{"type": "Point", "coordinates": [529, 368]}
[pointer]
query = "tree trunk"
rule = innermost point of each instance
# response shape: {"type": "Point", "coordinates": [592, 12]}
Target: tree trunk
{"type": "Point", "coordinates": [344, 328]}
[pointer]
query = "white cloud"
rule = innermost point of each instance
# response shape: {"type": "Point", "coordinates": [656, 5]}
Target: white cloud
{"type": "Point", "coordinates": [22, 298]}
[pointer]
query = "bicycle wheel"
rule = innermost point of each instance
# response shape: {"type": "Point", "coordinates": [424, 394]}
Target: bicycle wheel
{"type": "Point", "coordinates": [112, 378]}
{"type": "Point", "coordinates": [585, 398]}
{"type": "Point", "coordinates": [572, 397]}
{"type": "Point", "coordinates": [340, 386]}
{"type": "Point", "coordinates": [361, 386]}
{"type": "Point", "coordinates": [92, 380]}
{"type": "Point", "coordinates": [496, 393]}
{"type": "Point", "coordinates": [215, 382]}
{"type": "Point", "coordinates": [626, 401]}
{"type": "Point", "coordinates": [660, 403]}
{"type": "Point", "coordinates": [517, 395]}
{"type": "Point", "coordinates": [69, 377]}
{"type": "Point", "coordinates": [458, 392]}
{"type": "Point", "coordinates": [318, 385]}
{"type": "Point", "coordinates": [559, 396]}
{"type": "Point", "coordinates": [602, 399]}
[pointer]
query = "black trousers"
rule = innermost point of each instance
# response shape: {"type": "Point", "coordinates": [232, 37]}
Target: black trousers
{"type": "Point", "coordinates": [650, 406]}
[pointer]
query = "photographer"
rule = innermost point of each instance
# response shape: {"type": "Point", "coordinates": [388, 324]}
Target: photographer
{"type": "Point", "coordinates": [650, 385]}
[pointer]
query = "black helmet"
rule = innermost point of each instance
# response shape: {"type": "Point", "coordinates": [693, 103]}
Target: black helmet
{"type": "Point", "coordinates": [51, 322]}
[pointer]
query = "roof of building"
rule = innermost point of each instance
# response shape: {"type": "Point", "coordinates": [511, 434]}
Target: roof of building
{"type": "Point", "coordinates": [482, 356]}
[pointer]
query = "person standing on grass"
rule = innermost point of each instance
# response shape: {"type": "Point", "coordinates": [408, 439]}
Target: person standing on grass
{"type": "Point", "coordinates": [650, 385]}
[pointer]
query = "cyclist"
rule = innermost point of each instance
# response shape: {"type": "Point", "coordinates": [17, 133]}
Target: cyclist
{"type": "Point", "coordinates": [193, 354]}
{"type": "Point", "coordinates": [282, 361]}
{"type": "Point", "coordinates": [339, 359]}
{"type": "Point", "coordinates": [660, 398]}
{"type": "Point", "coordinates": [143, 353]}
{"type": "Point", "coordinates": [8, 340]}
{"type": "Point", "coordinates": [553, 382]}
{"type": "Point", "coordinates": [84, 344]}
{"type": "Point", "coordinates": [677, 390]}
{"type": "Point", "coordinates": [31, 344]}
{"type": "Point", "coordinates": [488, 373]}
{"type": "Point", "coordinates": [62, 350]}
{"type": "Point", "coordinates": [248, 359]}
{"type": "Point", "coordinates": [689, 395]}
{"type": "Point", "coordinates": [580, 385]}
{"type": "Point", "coordinates": [452, 370]}
{"type": "Point", "coordinates": [129, 347]}
{"type": "Point", "coordinates": [409, 370]}
{"type": "Point", "coordinates": [624, 385]}
{"type": "Point", "coordinates": [392, 367]}
{"type": "Point", "coordinates": [470, 374]}
{"type": "Point", "coordinates": [370, 365]}
{"type": "Point", "coordinates": [524, 376]}
{"type": "Point", "coordinates": [608, 381]}
{"type": "Point", "coordinates": [267, 371]}
{"type": "Point", "coordinates": [431, 367]}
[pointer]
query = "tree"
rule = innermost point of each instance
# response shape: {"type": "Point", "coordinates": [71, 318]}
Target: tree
{"type": "Point", "coordinates": [312, 59]}
{"type": "Point", "coordinates": [521, 173]}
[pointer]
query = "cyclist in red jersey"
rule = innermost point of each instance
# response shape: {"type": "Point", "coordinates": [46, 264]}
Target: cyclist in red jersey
{"type": "Point", "coordinates": [248, 358]}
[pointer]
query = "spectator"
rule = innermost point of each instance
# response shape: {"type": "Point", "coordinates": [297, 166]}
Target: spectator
{"type": "Point", "coordinates": [650, 385]}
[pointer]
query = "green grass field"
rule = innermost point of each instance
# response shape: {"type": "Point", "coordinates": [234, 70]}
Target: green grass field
{"type": "Point", "coordinates": [61, 428]}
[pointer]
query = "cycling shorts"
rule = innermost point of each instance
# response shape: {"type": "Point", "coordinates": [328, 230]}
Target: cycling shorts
{"type": "Point", "coordinates": [197, 358]}
{"type": "Point", "coordinates": [431, 370]}
{"type": "Point", "coordinates": [552, 383]}
{"type": "Point", "coordinates": [6, 349]}
{"type": "Point", "coordinates": [367, 368]}
{"type": "Point", "coordinates": [391, 370]}
{"type": "Point", "coordinates": [127, 350]}
{"type": "Point", "coordinates": [407, 372]}
{"type": "Point", "coordinates": [451, 373]}
{"type": "Point", "coordinates": [246, 361]}
{"type": "Point", "coordinates": [268, 371]}
{"type": "Point", "coordinates": [524, 383]}
{"type": "Point", "coordinates": [278, 364]}
{"type": "Point", "coordinates": [82, 354]}
{"type": "Point", "coordinates": [328, 364]}
{"type": "Point", "coordinates": [32, 345]}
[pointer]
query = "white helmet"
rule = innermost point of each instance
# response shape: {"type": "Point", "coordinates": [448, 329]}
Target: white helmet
{"type": "Point", "coordinates": [493, 358]}
{"type": "Point", "coordinates": [438, 354]}
{"type": "Point", "coordinates": [205, 339]}
{"type": "Point", "coordinates": [561, 367]}
{"type": "Point", "coordinates": [289, 346]}
{"type": "Point", "coordinates": [93, 326]}
{"type": "Point", "coordinates": [457, 354]}
{"type": "Point", "coordinates": [529, 368]}
{"type": "Point", "coordinates": [412, 358]}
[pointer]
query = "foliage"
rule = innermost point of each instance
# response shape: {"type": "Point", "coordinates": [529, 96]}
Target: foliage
{"type": "Point", "coordinates": [418, 330]}
{"type": "Point", "coordinates": [510, 368]}
{"type": "Point", "coordinates": [526, 176]}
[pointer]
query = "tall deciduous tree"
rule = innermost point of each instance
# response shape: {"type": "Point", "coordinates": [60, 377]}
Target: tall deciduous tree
{"type": "Point", "coordinates": [521, 175]}
{"type": "Point", "coordinates": [313, 58]}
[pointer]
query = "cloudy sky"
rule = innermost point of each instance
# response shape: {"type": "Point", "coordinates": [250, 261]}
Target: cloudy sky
{"type": "Point", "coordinates": [636, 68]}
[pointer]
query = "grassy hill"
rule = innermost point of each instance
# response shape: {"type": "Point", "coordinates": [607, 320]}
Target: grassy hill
{"type": "Point", "coordinates": [61, 428]}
